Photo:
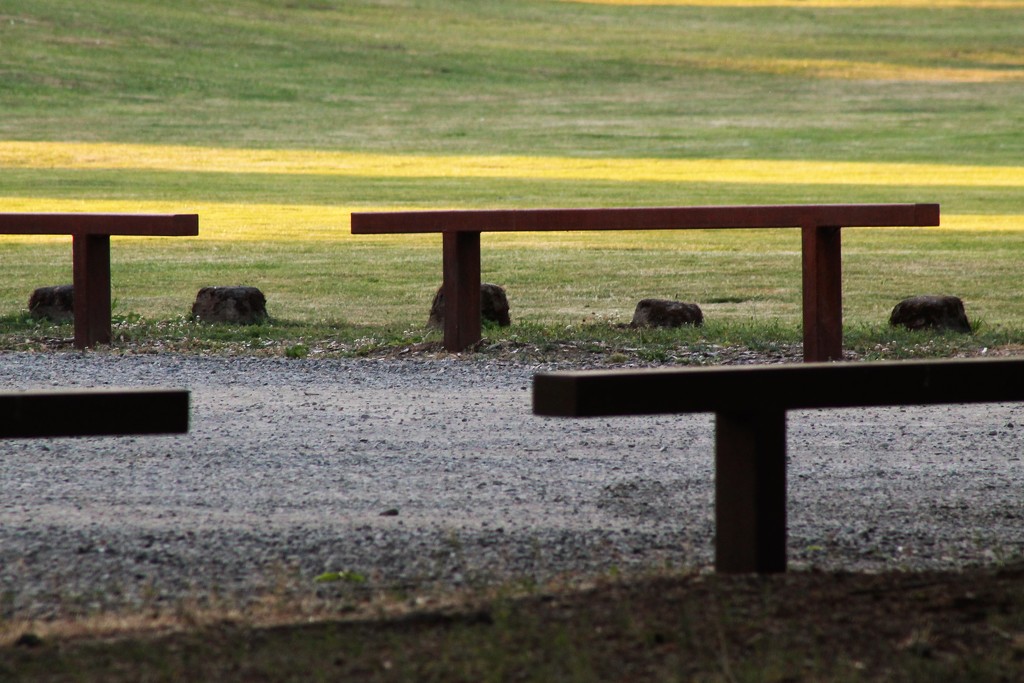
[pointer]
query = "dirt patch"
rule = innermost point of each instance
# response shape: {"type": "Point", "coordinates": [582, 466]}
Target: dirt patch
{"type": "Point", "coordinates": [923, 626]}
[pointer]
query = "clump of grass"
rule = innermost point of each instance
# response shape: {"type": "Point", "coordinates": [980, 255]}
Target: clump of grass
{"type": "Point", "coordinates": [298, 350]}
{"type": "Point", "coordinates": [876, 342]}
{"type": "Point", "coordinates": [594, 343]}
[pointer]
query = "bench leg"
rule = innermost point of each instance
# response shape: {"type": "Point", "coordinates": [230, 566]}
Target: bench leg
{"type": "Point", "coordinates": [461, 290]}
{"type": "Point", "coordinates": [823, 293]}
{"type": "Point", "coordinates": [92, 289]}
{"type": "Point", "coordinates": [750, 492]}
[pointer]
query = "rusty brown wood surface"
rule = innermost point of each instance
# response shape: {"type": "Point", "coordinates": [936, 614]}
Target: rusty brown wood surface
{"type": "Point", "coordinates": [822, 291]}
{"type": "Point", "coordinates": [91, 274]}
{"type": "Point", "coordinates": [750, 405]}
{"type": "Point", "coordinates": [787, 387]}
{"type": "Point", "coordinates": [461, 282]}
{"type": "Point", "coordinates": [93, 412]}
{"type": "Point", "coordinates": [91, 255]}
{"type": "Point", "coordinates": [821, 225]}
{"type": "Point", "coordinates": [141, 224]}
{"type": "Point", "coordinates": [750, 492]}
{"type": "Point", "coordinates": [646, 218]}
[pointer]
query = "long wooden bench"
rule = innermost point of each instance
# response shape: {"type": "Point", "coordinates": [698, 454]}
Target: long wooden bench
{"type": "Point", "coordinates": [93, 412]}
{"type": "Point", "coordinates": [90, 234]}
{"type": "Point", "coordinates": [821, 225]}
{"type": "Point", "coordinates": [750, 405]}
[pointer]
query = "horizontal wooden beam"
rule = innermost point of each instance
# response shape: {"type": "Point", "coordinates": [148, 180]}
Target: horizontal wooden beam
{"type": "Point", "coordinates": [647, 218]}
{"type": "Point", "coordinates": [93, 412]}
{"type": "Point", "coordinates": [777, 387]}
{"type": "Point", "coordinates": [140, 224]}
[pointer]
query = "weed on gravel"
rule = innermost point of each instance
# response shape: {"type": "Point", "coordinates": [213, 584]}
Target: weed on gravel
{"type": "Point", "coordinates": [590, 343]}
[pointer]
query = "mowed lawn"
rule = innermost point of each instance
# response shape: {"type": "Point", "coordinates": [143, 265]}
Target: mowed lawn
{"type": "Point", "coordinates": [274, 121]}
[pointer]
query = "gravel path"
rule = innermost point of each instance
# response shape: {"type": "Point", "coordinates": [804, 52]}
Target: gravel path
{"type": "Point", "coordinates": [434, 472]}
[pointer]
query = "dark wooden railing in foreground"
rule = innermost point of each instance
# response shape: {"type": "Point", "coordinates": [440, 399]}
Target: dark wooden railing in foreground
{"type": "Point", "coordinates": [90, 234]}
{"type": "Point", "coordinates": [93, 412]}
{"type": "Point", "coordinates": [750, 405]}
{"type": "Point", "coordinates": [821, 225]}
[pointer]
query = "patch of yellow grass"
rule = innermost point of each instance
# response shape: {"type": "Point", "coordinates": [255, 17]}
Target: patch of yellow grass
{"type": "Point", "coordinates": [234, 221]}
{"type": "Point", "coordinates": [983, 222]}
{"type": "Point", "coordinates": [217, 221]}
{"type": "Point", "coordinates": [71, 155]}
{"type": "Point", "coordinates": [299, 223]}
{"type": "Point", "coordinates": [852, 4]}
{"type": "Point", "coordinates": [871, 71]}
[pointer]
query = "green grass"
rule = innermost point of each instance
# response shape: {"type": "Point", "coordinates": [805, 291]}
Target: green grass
{"type": "Point", "coordinates": [317, 290]}
{"type": "Point", "coordinates": [495, 77]}
{"type": "Point", "coordinates": [543, 79]}
{"type": "Point", "coordinates": [525, 78]}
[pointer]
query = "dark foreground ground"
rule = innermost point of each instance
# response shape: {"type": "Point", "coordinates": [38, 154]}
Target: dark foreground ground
{"type": "Point", "coordinates": [914, 626]}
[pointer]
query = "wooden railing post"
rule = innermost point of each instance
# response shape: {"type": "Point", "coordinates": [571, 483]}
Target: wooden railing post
{"type": "Point", "coordinates": [461, 290]}
{"type": "Point", "coordinates": [750, 491]}
{"type": "Point", "coordinates": [91, 260]}
{"type": "Point", "coordinates": [822, 293]}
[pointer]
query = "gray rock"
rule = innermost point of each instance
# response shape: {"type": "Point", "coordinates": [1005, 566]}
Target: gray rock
{"type": "Point", "coordinates": [53, 303]}
{"type": "Point", "coordinates": [240, 305]}
{"type": "Point", "coordinates": [931, 312]}
{"type": "Point", "coordinates": [493, 306]}
{"type": "Point", "coordinates": [666, 313]}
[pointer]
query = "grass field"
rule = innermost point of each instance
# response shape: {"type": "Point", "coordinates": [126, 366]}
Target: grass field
{"type": "Point", "coordinates": [274, 121]}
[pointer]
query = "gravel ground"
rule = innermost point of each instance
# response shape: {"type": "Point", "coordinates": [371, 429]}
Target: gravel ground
{"type": "Point", "coordinates": [433, 471]}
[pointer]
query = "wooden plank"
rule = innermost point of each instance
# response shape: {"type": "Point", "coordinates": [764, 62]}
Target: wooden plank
{"type": "Point", "coordinates": [821, 225]}
{"type": "Point", "coordinates": [140, 224]}
{"type": "Point", "coordinates": [750, 405]}
{"type": "Point", "coordinates": [646, 218]}
{"type": "Point", "coordinates": [93, 412]}
{"type": "Point", "coordinates": [91, 255]}
{"type": "Point", "coordinates": [786, 387]}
